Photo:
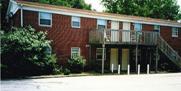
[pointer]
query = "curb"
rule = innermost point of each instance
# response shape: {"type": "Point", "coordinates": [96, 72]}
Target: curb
{"type": "Point", "coordinates": [58, 76]}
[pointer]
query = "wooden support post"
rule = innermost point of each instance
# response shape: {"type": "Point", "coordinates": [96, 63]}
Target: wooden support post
{"type": "Point", "coordinates": [136, 58]}
{"type": "Point", "coordinates": [157, 58]}
{"type": "Point", "coordinates": [150, 60]}
{"type": "Point", "coordinates": [90, 53]}
{"type": "Point", "coordinates": [103, 58]}
{"type": "Point", "coordinates": [103, 49]}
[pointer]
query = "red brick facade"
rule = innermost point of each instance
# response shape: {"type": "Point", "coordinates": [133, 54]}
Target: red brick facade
{"type": "Point", "coordinates": [64, 36]}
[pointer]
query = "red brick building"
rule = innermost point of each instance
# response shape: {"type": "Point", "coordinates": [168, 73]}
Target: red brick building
{"type": "Point", "coordinates": [127, 39]}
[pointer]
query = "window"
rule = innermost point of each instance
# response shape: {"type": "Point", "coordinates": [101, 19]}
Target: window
{"type": "Point", "coordinates": [138, 26]}
{"type": "Point", "coordinates": [76, 22]}
{"type": "Point", "coordinates": [75, 51]}
{"type": "Point", "coordinates": [45, 19]}
{"type": "Point", "coordinates": [157, 28]}
{"type": "Point", "coordinates": [99, 54]}
{"type": "Point", "coordinates": [174, 32]}
{"type": "Point", "coordinates": [101, 24]}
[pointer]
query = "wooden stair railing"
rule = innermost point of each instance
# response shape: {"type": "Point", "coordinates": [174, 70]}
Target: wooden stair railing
{"type": "Point", "coordinates": [168, 51]}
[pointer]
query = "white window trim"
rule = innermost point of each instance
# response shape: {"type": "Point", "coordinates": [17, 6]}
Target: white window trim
{"type": "Point", "coordinates": [72, 49]}
{"type": "Point", "coordinates": [72, 22]}
{"type": "Point", "coordinates": [177, 32]}
{"type": "Point", "coordinates": [43, 25]}
{"type": "Point", "coordinates": [159, 27]}
{"type": "Point", "coordinates": [101, 58]}
{"type": "Point", "coordinates": [105, 25]}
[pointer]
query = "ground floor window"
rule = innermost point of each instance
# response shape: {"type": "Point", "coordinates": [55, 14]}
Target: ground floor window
{"type": "Point", "coordinates": [75, 51]}
{"type": "Point", "coordinates": [99, 54]}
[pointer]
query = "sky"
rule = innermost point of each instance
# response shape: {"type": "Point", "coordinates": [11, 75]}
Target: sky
{"type": "Point", "coordinates": [96, 4]}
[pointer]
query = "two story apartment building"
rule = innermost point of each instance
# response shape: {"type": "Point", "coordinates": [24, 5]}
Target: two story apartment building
{"type": "Point", "coordinates": [116, 39]}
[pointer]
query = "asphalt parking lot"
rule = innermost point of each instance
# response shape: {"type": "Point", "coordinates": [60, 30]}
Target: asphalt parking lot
{"type": "Point", "coordinates": [152, 82]}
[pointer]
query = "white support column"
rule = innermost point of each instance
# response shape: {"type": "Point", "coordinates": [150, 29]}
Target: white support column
{"type": "Point", "coordinates": [112, 68]}
{"type": "Point", "coordinates": [21, 16]}
{"type": "Point", "coordinates": [119, 69]}
{"type": "Point", "coordinates": [148, 69]}
{"type": "Point", "coordinates": [138, 69]}
{"type": "Point", "coordinates": [128, 70]}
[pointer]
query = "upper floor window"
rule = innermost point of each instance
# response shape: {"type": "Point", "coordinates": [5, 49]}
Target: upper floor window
{"type": "Point", "coordinates": [75, 22]}
{"type": "Point", "coordinates": [101, 24]}
{"type": "Point", "coordinates": [75, 51]}
{"type": "Point", "coordinates": [45, 19]}
{"type": "Point", "coordinates": [174, 32]}
{"type": "Point", "coordinates": [157, 28]}
{"type": "Point", "coordinates": [138, 26]}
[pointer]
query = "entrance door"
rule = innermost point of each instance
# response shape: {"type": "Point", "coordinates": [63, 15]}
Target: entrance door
{"type": "Point", "coordinates": [114, 58]}
{"type": "Point", "coordinates": [114, 31]}
{"type": "Point", "coordinates": [126, 32]}
{"type": "Point", "coordinates": [125, 58]}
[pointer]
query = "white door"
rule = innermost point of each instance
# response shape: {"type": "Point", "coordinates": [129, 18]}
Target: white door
{"type": "Point", "coordinates": [114, 31]}
{"type": "Point", "coordinates": [114, 58]}
{"type": "Point", "coordinates": [126, 32]}
{"type": "Point", "coordinates": [125, 58]}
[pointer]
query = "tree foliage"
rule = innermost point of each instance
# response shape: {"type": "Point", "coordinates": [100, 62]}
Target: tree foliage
{"type": "Point", "coordinates": [80, 4]}
{"type": "Point", "coordinates": [164, 9]}
{"type": "Point", "coordinates": [26, 52]}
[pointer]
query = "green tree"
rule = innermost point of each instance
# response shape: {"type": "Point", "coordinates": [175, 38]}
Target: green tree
{"type": "Point", "coordinates": [80, 4]}
{"type": "Point", "coordinates": [164, 9]}
{"type": "Point", "coordinates": [26, 52]}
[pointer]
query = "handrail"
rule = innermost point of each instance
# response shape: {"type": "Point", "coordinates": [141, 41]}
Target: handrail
{"type": "Point", "coordinates": [169, 51]}
{"type": "Point", "coordinates": [123, 37]}
{"type": "Point", "coordinates": [134, 37]}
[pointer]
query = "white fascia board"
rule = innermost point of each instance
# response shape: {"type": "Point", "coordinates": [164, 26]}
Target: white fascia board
{"type": "Point", "coordinates": [93, 16]}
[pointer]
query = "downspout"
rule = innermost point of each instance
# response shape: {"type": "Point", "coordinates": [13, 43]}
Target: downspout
{"type": "Point", "coordinates": [21, 7]}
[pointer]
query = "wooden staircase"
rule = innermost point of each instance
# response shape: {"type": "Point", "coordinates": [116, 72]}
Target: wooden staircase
{"type": "Point", "coordinates": [168, 51]}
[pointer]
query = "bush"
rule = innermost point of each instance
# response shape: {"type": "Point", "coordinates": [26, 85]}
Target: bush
{"type": "Point", "coordinates": [57, 70]}
{"type": "Point", "coordinates": [76, 64]}
{"type": "Point", "coordinates": [66, 71]}
{"type": "Point", "coordinates": [25, 52]}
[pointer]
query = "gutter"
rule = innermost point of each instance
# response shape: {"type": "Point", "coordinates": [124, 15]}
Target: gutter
{"type": "Point", "coordinates": [12, 9]}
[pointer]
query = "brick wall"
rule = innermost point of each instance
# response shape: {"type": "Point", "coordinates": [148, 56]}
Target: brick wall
{"type": "Point", "coordinates": [64, 36]}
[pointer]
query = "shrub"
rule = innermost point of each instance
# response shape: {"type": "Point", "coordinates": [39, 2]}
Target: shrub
{"type": "Point", "coordinates": [76, 64]}
{"type": "Point", "coordinates": [58, 70]}
{"type": "Point", "coordinates": [66, 71]}
{"type": "Point", "coordinates": [25, 52]}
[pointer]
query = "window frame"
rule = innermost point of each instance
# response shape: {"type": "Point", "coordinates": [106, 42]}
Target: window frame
{"type": "Point", "coordinates": [141, 26]}
{"type": "Point", "coordinates": [101, 24]}
{"type": "Point", "coordinates": [79, 20]}
{"type": "Point", "coordinates": [175, 33]}
{"type": "Point", "coordinates": [157, 26]}
{"type": "Point", "coordinates": [101, 54]}
{"type": "Point", "coordinates": [72, 51]}
{"type": "Point", "coordinates": [44, 25]}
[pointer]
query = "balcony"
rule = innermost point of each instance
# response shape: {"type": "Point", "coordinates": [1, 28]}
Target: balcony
{"type": "Point", "coordinates": [129, 37]}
